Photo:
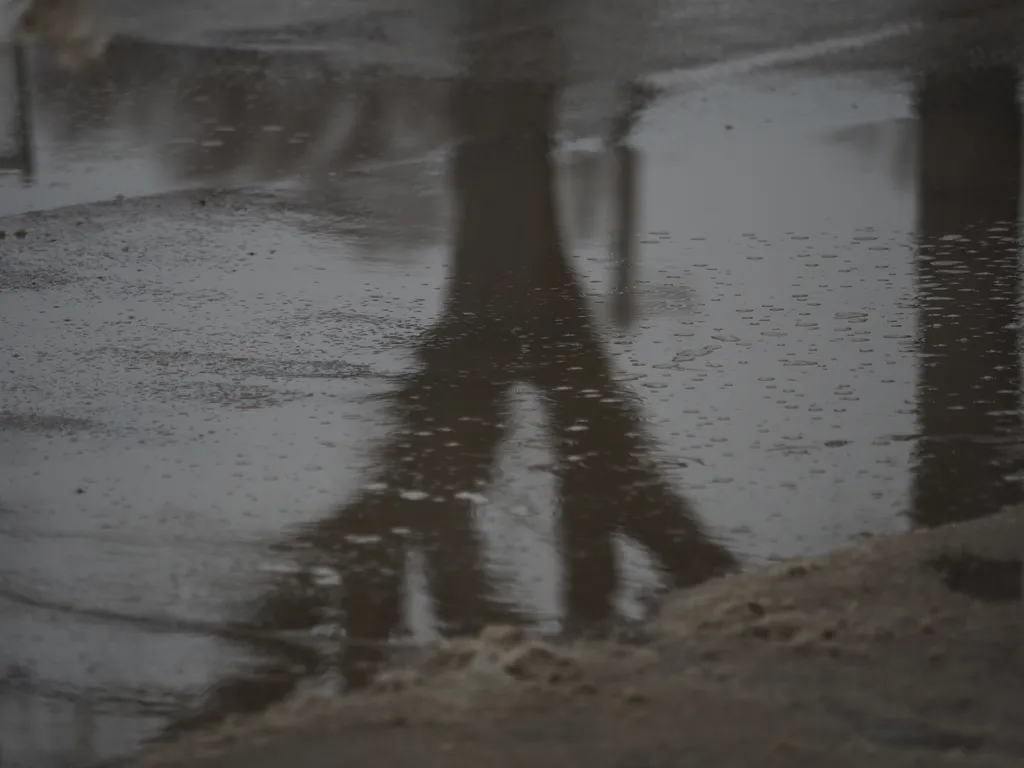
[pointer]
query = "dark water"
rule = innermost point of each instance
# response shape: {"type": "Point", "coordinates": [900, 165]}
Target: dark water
{"type": "Point", "coordinates": [315, 349]}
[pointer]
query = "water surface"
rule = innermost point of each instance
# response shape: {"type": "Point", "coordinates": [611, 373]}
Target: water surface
{"type": "Point", "coordinates": [311, 352]}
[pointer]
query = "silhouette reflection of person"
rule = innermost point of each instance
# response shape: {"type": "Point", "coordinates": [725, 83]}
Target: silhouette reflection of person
{"type": "Point", "coordinates": [514, 312]}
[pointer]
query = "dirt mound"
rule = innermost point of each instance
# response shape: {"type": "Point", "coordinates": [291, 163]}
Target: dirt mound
{"type": "Point", "coordinates": [902, 650]}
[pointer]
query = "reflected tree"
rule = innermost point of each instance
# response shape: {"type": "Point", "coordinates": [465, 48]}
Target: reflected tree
{"type": "Point", "coordinates": [514, 312]}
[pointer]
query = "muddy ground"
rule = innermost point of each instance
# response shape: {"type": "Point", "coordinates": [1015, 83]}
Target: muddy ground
{"type": "Point", "coordinates": [905, 650]}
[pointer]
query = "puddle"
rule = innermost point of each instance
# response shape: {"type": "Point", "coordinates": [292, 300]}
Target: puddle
{"type": "Point", "coordinates": [306, 360]}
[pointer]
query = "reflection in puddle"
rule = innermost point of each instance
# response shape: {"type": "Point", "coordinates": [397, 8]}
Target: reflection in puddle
{"type": "Point", "coordinates": [969, 182]}
{"type": "Point", "coordinates": [692, 336]}
{"type": "Point", "coordinates": [17, 153]}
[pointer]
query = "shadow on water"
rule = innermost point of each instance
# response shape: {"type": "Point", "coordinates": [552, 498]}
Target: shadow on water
{"type": "Point", "coordinates": [514, 314]}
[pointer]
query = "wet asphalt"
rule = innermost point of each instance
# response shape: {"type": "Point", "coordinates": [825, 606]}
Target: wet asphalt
{"type": "Point", "coordinates": [327, 332]}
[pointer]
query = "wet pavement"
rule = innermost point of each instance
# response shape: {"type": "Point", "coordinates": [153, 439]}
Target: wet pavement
{"type": "Point", "coordinates": [323, 335]}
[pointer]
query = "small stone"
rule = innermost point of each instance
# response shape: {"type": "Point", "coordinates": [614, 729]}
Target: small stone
{"type": "Point", "coordinates": [501, 634]}
{"type": "Point", "coordinates": [540, 663]}
{"type": "Point", "coordinates": [21, 234]}
{"type": "Point", "coordinates": [633, 695]}
{"type": "Point", "coordinates": [760, 631]}
{"type": "Point", "coordinates": [455, 653]}
{"type": "Point", "coordinates": [803, 642]}
{"type": "Point", "coordinates": [394, 680]}
{"type": "Point", "coordinates": [962, 704]}
{"type": "Point", "coordinates": [756, 608]}
{"type": "Point", "coordinates": [883, 633]}
{"type": "Point", "coordinates": [555, 677]}
{"type": "Point", "coordinates": [797, 570]}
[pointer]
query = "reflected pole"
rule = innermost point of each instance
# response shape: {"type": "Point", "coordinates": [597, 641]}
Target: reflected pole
{"type": "Point", "coordinates": [22, 158]}
{"type": "Point", "coordinates": [969, 377]}
{"type": "Point", "coordinates": [626, 165]}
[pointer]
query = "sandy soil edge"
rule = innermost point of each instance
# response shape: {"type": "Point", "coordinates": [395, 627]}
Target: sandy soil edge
{"type": "Point", "coordinates": [903, 650]}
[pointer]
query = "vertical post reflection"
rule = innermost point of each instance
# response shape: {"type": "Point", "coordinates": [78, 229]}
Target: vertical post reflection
{"type": "Point", "coordinates": [969, 382]}
{"type": "Point", "coordinates": [514, 311]}
{"type": "Point", "coordinates": [22, 155]}
{"type": "Point", "coordinates": [627, 171]}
